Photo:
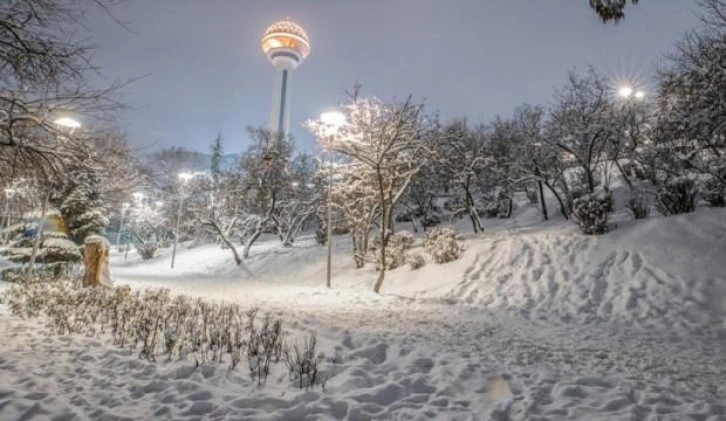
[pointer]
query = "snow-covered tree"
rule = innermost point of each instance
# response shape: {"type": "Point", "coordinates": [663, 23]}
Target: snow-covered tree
{"type": "Point", "coordinates": [390, 140]}
{"type": "Point", "coordinates": [84, 209]}
{"type": "Point", "coordinates": [691, 125]}
{"type": "Point", "coordinates": [265, 167]}
{"type": "Point", "coordinates": [44, 69]}
{"type": "Point", "coordinates": [355, 205]}
{"type": "Point", "coordinates": [149, 222]}
{"type": "Point", "coordinates": [299, 198]}
{"type": "Point", "coordinates": [461, 161]}
{"type": "Point", "coordinates": [419, 200]}
{"type": "Point", "coordinates": [580, 124]}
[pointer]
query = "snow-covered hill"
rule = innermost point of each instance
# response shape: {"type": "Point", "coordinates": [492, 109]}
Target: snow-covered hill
{"type": "Point", "coordinates": [661, 272]}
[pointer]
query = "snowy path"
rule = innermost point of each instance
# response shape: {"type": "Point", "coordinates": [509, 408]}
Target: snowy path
{"type": "Point", "coordinates": [395, 359]}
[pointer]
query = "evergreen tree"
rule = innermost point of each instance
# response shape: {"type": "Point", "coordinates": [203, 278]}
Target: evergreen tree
{"type": "Point", "coordinates": [83, 208]}
{"type": "Point", "coordinates": [216, 159]}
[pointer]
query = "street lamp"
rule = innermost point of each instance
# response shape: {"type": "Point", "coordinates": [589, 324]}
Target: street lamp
{"type": "Point", "coordinates": [124, 206]}
{"type": "Point", "coordinates": [9, 193]}
{"type": "Point", "coordinates": [628, 92]}
{"type": "Point", "coordinates": [184, 178]}
{"type": "Point", "coordinates": [625, 91]}
{"type": "Point", "coordinates": [332, 121]}
{"type": "Point", "coordinates": [67, 123]}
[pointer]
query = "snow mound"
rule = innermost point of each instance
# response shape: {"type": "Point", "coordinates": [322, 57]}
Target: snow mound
{"type": "Point", "coordinates": [666, 271]}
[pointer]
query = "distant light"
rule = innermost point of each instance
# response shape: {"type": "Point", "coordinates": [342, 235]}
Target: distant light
{"type": "Point", "coordinates": [639, 95]}
{"type": "Point", "coordinates": [67, 122]}
{"type": "Point", "coordinates": [185, 176]}
{"type": "Point", "coordinates": [625, 91]}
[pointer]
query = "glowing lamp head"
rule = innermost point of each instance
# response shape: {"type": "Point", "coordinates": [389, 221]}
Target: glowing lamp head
{"type": "Point", "coordinates": [332, 120]}
{"type": "Point", "coordinates": [285, 42]}
{"type": "Point", "coordinates": [640, 95]}
{"type": "Point", "coordinates": [67, 123]}
{"type": "Point", "coordinates": [625, 91]}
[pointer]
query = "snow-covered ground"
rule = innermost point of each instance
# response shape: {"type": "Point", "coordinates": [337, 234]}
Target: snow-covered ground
{"type": "Point", "coordinates": [535, 322]}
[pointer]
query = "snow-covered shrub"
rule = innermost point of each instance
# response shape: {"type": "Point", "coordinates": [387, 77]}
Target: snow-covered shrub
{"type": "Point", "coordinates": [416, 261]}
{"type": "Point", "coordinates": [638, 205]}
{"type": "Point", "coordinates": [264, 345]}
{"type": "Point", "coordinates": [444, 245]}
{"type": "Point", "coordinates": [678, 195]}
{"type": "Point", "coordinates": [154, 323]}
{"type": "Point", "coordinates": [396, 249]}
{"type": "Point", "coordinates": [405, 238]}
{"type": "Point", "coordinates": [302, 364]}
{"type": "Point", "coordinates": [591, 213]}
{"type": "Point", "coordinates": [430, 220]}
{"type": "Point", "coordinates": [147, 250]}
{"type": "Point", "coordinates": [497, 204]}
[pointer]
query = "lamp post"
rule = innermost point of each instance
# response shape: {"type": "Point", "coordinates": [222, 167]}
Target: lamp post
{"type": "Point", "coordinates": [332, 121]}
{"type": "Point", "coordinates": [184, 178]}
{"type": "Point", "coordinates": [9, 193]}
{"type": "Point", "coordinates": [124, 206]}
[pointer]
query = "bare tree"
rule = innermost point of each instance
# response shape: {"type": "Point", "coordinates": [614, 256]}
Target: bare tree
{"type": "Point", "coordinates": [580, 123]}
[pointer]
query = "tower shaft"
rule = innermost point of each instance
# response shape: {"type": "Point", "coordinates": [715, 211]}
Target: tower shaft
{"type": "Point", "coordinates": [281, 95]}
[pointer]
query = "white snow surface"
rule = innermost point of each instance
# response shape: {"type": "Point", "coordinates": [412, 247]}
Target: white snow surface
{"type": "Point", "coordinates": [535, 322]}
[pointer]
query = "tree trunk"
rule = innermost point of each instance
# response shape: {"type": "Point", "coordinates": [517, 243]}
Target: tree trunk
{"type": "Point", "coordinates": [384, 211]}
{"type": "Point", "coordinates": [542, 200]}
{"type": "Point", "coordinates": [559, 199]}
{"type": "Point", "coordinates": [251, 240]}
{"type": "Point", "coordinates": [623, 173]}
{"type": "Point", "coordinates": [590, 180]}
{"type": "Point", "coordinates": [473, 215]}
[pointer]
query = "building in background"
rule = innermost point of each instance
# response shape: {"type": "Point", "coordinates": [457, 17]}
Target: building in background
{"type": "Point", "coordinates": [286, 45]}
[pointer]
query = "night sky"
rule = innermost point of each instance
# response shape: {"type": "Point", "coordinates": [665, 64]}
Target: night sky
{"type": "Point", "coordinates": [204, 71]}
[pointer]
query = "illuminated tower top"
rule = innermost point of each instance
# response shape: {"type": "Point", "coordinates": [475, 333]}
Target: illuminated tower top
{"type": "Point", "coordinates": [285, 42]}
